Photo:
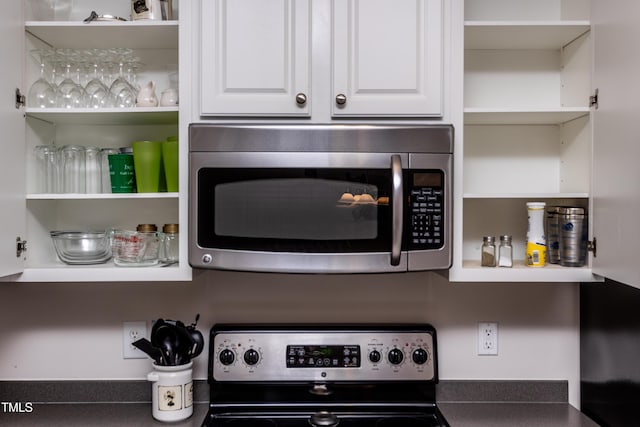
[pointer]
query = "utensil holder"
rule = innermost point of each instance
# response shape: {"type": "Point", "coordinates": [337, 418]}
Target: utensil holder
{"type": "Point", "coordinates": [171, 392]}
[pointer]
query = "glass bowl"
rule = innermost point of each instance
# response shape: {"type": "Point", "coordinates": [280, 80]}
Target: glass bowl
{"type": "Point", "coordinates": [82, 247]}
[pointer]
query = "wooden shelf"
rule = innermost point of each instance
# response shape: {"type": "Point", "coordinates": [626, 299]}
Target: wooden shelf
{"type": "Point", "coordinates": [530, 196]}
{"type": "Point", "coordinates": [105, 196]}
{"type": "Point", "coordinates": [523, 116]}
{"type": "Point", "coordinates": [472, 272]}
{"type": "Point", "coordinates": [106, 116]}
{"type": "Point", "coordinates": [103, 35]}
{"type": "Point", "coordinates": [522, 34]}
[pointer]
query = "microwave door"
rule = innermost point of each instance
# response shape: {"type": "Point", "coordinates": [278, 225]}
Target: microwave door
{"type": "Point", "coordinates": [343, 215]}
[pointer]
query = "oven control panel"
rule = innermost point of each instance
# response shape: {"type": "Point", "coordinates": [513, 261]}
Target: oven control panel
{"type": "Point", "coordinates": [322, 356]}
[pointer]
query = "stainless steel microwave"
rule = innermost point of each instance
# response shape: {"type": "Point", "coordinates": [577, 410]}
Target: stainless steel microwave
{"type": "Point", "coordinates": [320, 198]}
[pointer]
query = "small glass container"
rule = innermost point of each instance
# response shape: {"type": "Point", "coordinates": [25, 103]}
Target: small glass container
{"type": "Point", "coordinates": [488, 251]}
{"type": "Point", "coordinates": [505, 252]}
{"type": "Point", "coordinates": [170, 243]}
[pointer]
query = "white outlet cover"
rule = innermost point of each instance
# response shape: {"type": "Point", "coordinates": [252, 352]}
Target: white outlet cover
{"type": "Point", "coordinates": [487, 338]}
{"type": "Point", "coordinates": [133, 331]}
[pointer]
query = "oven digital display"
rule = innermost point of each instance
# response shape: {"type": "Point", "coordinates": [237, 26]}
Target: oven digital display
{"type": "Point", "coordinates": [323, 356]}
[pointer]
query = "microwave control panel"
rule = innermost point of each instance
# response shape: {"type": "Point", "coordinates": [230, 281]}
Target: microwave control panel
{"type": "Point", "coordinates": [427, 210]}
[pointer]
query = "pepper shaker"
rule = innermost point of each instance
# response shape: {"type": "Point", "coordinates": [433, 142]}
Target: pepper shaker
{"type": "Point", "coordinates": [488, 251]}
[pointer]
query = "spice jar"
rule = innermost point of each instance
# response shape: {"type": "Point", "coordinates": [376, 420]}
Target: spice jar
{"type": "Point", "coordinates": [505, 252]}
{"type": "Point", "coordinates": [170, 243]}
{"type": "Point", "coordinates": [488, 251]}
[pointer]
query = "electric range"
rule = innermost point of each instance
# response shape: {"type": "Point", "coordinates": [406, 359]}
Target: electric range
{"type": "Point", "coordinates": [323, 375]}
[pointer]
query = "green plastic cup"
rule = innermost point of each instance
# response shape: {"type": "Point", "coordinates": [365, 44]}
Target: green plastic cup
{"type": "Point", "coordinates": [147, 158]}
{"type": "Point", "coordinates": [122, 173]}
{"type": "Point", "coordinates": [170, 160]}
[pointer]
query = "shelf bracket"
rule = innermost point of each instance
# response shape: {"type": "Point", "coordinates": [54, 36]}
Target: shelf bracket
{"type": "Point", "coordinates": [21, 246]}
{"type": "Point", "coordinates": [591, 246]}
{"type": "Point", "coordinates": [593, 100]}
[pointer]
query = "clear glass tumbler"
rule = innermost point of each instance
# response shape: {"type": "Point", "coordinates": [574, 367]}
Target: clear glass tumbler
{"type": "Point", "coordinates": [72, 169]}
{"type": "Point", "coordinates": [46, 169]}
{"type": "Point", "coordinates": [93, 170]}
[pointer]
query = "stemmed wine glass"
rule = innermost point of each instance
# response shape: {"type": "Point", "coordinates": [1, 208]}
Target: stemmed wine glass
{"type": "Point", "coordinates": [69, 94]}
{"type": "Point", "coordinates": [42, 94]}
{"type": "Point", "coordinates": [96, 91]}
{"type": "Point", "coordinates": [122, 91]}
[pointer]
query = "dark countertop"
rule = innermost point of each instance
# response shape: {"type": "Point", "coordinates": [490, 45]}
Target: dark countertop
{"type": "Point", "coordinates": [464, 403]}
{"type": "Point", "coordinates": [514, 414]}
{"type": "Point", "coordinates": [139, 415]}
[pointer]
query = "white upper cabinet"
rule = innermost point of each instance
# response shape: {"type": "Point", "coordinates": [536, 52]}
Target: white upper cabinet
{"type": "Point", "coordinates": [12, 177]}
{"type": "Point", "coordinates": [255, 57]}
{"type": "Point", "coordinates": [616, 187]}
{"type": "Point", "coordinates": [30, 214]}
{"type": "Point", "coordinates": [387, 58]}
{"type": "Point", "coordinates": [527, 129]}
{"type": "Point", "coordinates": [373, 58]}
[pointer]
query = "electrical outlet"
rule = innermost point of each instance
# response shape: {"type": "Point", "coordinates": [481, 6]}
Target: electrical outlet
{"type": "Point", "coordinates": [131, 332]}
{"type": "Point", "coordinates": [488, 338]}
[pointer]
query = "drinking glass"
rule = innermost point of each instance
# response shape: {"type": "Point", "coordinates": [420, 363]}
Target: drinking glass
{"type": "Point", "coordinates": [46, 168]}
{"type": "Point", "coordinates": [69, 94]}
{"type": "Point", "coordinates": [72, 169]}
{"type": "Point", "coordinates": [96, 91]}
{"type": "Point", "coordinates": [122, 91]}
{"type": "Point", "coordinates": [104, 166]}
{"type": "Point", "coordinates": [42, 94]}
{"type": "Point", "coordinates": [93, 170]}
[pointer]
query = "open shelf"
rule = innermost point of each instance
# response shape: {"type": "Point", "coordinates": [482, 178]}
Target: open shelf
{"type": "Point", "coordinates": [104, 35]}
{"type": "Point", "coordinates": [522, 34]}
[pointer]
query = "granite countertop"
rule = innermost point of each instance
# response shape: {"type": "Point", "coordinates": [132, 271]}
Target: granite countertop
{"type": "Point", "coordinates": [139, 415]}
{"type": "Point", "coordinates": [127, 403]}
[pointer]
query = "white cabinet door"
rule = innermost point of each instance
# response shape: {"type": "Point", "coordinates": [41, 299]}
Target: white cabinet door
{"type": "Point", "coordinates": [616, 183]}
{"type": "Point", "coordinates": [12, 176]}
{"type": "Point", "coordinates": [387, 58]}
{"type": "Point", "coordinates": [255, 57]}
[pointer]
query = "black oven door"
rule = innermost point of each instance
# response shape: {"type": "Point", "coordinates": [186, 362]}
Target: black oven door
{"type": "Point", "coordinates": [295, 212]}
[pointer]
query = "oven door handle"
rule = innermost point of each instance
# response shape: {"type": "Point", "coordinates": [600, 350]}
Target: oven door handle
{"type": "Point", "coordinates": [396, 208]}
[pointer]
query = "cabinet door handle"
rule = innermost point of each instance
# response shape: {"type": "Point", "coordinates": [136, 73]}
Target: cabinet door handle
{"type": "Point", "coordinates": [301, 98]}
{"type": "Point", "coordinates": [341, 99]}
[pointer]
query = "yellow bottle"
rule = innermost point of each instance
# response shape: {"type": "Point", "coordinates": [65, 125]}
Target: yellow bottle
{"type": "Point", "coordinates": [536, 251]}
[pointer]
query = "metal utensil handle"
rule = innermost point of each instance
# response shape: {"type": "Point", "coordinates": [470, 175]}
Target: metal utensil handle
{"type": "Point", "coordinates": [397, 199]}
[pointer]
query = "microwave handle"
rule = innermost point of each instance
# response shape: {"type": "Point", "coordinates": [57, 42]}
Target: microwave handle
{"type": "Point", "coordinates": [396, 208]}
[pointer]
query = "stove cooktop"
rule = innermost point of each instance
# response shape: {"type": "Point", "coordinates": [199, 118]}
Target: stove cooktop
{"type": "Point", "coordinates": [338, 418]}
{"type": "Point", "coordinates": [344, 376]}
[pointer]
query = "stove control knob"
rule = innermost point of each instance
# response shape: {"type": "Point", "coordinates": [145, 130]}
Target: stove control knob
{"type": "Point", "coordinates": [251, 357]}
{"type": "Point", "coordinates": [226, 357]}
{"type": "Point", "coordinates": [420, 356]}
{"type": "Point", "coordinates": [375, 356]}
{"type": "Point", "coordinates": [396, 356]}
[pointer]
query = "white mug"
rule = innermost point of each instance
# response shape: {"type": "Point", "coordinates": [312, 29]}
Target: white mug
{"type": "Point", "coordinates": [171, 392]}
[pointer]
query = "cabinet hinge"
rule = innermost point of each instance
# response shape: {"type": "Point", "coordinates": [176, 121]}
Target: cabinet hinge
{"type": "Point", "coordinates": [593, 100]}
{"type": "Point", "coordinates": [21, 100]}
{"type": "Point", "coordinates": [21, 246]}
{"type": "Point", "coordinates": [591, 246]}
